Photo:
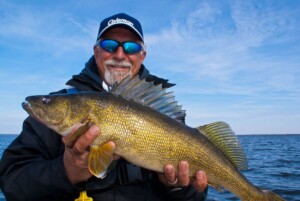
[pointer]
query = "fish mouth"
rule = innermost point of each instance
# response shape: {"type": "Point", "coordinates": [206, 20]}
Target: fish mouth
{"type": "Point", "coordinates": [32, 110]}
{"type": "Point", "coordinates": [27, 107]}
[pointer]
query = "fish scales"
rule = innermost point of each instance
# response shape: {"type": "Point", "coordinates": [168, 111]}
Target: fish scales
{"type": "Point", "coordinates": [152, 140]}
{"type": "Point", "coordinates": [148, 138]}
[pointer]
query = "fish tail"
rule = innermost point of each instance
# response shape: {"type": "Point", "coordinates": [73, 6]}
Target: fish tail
{"type": "Point", "coordinates": [270, 196]}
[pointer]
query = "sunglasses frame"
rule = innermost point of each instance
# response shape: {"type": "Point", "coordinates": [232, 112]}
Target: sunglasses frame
{"type": "Point", "coordinates": [120, 44]}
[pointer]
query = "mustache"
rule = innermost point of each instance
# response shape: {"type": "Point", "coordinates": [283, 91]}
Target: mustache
{"type": "Point", "coordinates": [118, 63]}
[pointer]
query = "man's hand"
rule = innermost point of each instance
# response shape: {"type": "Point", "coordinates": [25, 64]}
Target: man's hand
{"type": "Point", "coordinates": [169, 177]}
{"type": "Point", "coordinates": [76, 154]}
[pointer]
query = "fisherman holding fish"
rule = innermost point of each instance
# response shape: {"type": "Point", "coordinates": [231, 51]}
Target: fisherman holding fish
{"type": "Point", "coordinates": [42, 165]}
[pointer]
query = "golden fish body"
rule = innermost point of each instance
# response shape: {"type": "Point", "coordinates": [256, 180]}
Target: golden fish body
{"type": "Point", "coordinates": [151, 140]}
{"type": "Point", "coordinates": [147, 138]}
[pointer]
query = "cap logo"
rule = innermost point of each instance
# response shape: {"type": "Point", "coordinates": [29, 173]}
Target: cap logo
{"type": "Point", "coordinates": [122, 20]}
{"type": "Point", "coordinates": [119, 21]}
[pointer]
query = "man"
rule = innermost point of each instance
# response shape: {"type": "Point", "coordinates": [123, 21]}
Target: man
{"type": "Point", "coordinates": [40, 165]}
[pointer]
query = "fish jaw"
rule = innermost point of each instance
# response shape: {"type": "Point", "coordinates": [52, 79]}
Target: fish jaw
{"type": "Point", "coordinates": [60, 112]}
{"type": "Point", "coordinates": [27, 107]}
{"type": "Point", "coordinates": [34, 114]}
{"type": "Point", "coordinates": [38, 111]}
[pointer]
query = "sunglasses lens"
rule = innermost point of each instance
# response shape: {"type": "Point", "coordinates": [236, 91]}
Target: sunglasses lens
{"type": "Point", "coordinates": [131, 47]}
{"type": "Point", "coordinates": [128, 47]}
{"type": "Point", "coordinates": [109, 45]}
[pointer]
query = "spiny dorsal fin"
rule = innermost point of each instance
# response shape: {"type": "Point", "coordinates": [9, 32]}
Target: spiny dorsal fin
{"type": "Point", "coordinates": [148, 94]}
{"type": "Point", "coordinates": [221, 135]}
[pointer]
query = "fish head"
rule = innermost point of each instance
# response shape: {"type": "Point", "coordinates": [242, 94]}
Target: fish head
{"type": "Point", "coordinates": [60, 112]}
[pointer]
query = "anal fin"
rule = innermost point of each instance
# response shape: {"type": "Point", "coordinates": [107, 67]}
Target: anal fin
{"type": "Point", "coordinates": [216, 186]}
{"type": "Point", "coordinates": [100, 158]}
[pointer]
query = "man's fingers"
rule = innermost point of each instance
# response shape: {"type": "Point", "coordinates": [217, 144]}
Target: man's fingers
{"type": "Point", "coordinates": [76, 156]}
{"type": "Point", "coordinates": [201, 181]}
{"type": "Point", "coordinates": [183, 173]}
{"type": "Point", "coordinates": [84, 141]}
{"type": "Point", "coordinates": [170, 174]}
{"type": "Point", "coordinates": [182, 179]}
{"type": "Point", "coordinates": [69, 140]}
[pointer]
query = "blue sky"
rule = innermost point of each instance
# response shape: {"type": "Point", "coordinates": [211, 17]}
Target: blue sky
{"type": "Point", "coordinates": [235, 61]}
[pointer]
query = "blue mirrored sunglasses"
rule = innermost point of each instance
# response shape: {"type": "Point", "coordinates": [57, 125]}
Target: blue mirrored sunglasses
{"type": "Point", "coordinates": [112, 45]}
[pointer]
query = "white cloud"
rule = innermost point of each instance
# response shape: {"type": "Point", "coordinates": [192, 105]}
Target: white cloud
{"type": "Point", "coordinates": [196, 48]}
{"type": "Point", "coordinates": [58, 32]}
{"type": "Point", "coordinates": [235, 68]}
{"type": "Point", "coordinates": [232, 60]}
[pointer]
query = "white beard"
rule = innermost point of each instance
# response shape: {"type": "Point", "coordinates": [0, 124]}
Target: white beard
{"type": "Point", "coordinates": [112, 76]}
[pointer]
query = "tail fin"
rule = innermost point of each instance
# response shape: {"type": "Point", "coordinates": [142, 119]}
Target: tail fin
{"type": "Point", "coordinates": [270, 196]}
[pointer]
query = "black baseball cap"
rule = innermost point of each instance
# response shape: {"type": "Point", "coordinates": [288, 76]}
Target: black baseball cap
{"type": "Point", "coordinates": [121, 20]}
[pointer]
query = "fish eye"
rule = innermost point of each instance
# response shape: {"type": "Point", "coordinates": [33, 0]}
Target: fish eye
{"type": "Point", "coordinates": [46, 100]}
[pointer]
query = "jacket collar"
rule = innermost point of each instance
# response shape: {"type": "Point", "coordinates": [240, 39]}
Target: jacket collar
{"type": "Point", "coordinates": [88, 79]}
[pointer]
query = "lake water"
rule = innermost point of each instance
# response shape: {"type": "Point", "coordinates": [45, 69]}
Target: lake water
{"type": "Point", "coordinates": [273, 160]}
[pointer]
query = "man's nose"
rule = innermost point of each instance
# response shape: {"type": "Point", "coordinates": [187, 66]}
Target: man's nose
{"type": "Point", "coordinates": [119, 53]}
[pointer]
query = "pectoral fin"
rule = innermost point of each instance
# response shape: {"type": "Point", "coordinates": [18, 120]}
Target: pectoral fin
{"type": "Point", "coordinates": [100, 158]}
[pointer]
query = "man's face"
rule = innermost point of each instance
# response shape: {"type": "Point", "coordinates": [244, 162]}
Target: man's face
{"type": "Point", "coordinates": [114, 66]}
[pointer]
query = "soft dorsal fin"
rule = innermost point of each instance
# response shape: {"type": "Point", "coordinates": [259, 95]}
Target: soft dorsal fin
{"type": "Point", "coordinates": [222, 136]}
{"type": "Point", "coordinates": [148, 94]}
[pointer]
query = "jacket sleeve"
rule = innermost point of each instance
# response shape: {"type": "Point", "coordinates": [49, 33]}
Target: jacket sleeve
{"type": "Point", "coordinates": [185, 194]}
{"type": "Point", "coordinates": [32, 166]}
{"type": "Point", "coordinates": [188, 193]}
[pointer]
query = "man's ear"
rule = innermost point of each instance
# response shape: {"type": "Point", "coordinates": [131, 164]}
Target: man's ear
{"type": "Point", "coordinates": [143, 55]}
{"type": "Point", "coordinates": [95, 50]}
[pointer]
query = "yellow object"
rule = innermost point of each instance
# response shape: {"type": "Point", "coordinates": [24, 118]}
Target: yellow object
{"type": "Point", "coordinates": [83, 197]}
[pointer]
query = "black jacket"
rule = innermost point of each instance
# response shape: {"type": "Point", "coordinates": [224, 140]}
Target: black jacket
{"type": "Point", "coordinates": [32, 166]}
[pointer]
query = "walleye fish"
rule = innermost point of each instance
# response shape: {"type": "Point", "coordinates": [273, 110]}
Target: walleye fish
{"type": "Point", "coordinates": [146, 124]}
